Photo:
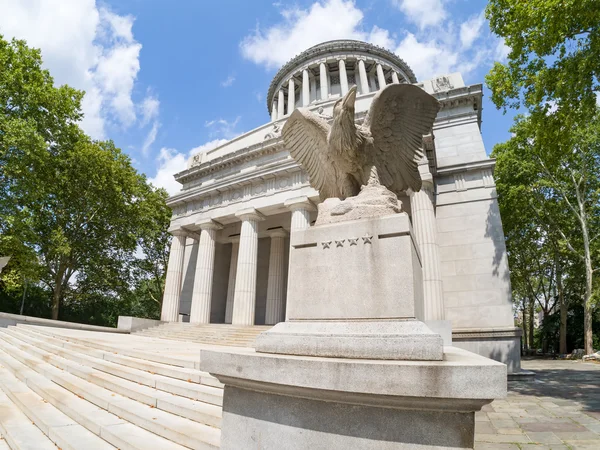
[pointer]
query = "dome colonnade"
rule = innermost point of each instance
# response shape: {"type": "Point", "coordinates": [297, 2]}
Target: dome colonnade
{"type": "Point", "coordinates": [328, 70]}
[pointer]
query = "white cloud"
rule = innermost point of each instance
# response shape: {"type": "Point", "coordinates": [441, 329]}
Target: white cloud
{"type": "Point", "coordinates": [301, 29]}
{"type": "Point", "coordinates": [149, 107]}
{"type": "Point", "coordinates": [87, 47]}
{"type": "Point", "coordinates": [437, 46]}
{"type": "Point", "coordinates": [223, 128]}
{"type": "Point", "coordinates": [228, 81]}
{"type": "Point", "coordinates": [424, 13]}
{"type": "Point", "coordinates": [170, 162]}
{"type": "Point", "coordinates": [502, 51]}
{"type": "Point", "coordinates": [150, 137]}
{"type": "Point", "coordinates": [471, 29]}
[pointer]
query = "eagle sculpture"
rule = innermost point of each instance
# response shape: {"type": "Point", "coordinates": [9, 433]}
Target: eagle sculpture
{"type": "Point", "coordinates": [343, 156]}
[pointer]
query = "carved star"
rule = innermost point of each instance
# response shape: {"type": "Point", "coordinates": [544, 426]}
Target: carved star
{"type": "Point", "coordinates": [367, 239]}
{"type": "Point", "coordinates": [353, 241]}
{"type": "Point", "coordinates": [326, 244]}
{"type": "Point", "coordinates": [340, 243]}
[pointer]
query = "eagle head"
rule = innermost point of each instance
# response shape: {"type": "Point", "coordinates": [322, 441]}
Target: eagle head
{"type": "Point", "coordinates": [343, 130]}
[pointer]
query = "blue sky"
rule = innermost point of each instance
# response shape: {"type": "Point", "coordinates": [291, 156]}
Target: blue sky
{"type": "Point", "coordinates": [166, 79]}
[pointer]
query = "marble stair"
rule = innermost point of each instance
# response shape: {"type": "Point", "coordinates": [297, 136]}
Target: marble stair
{"type": "Point", "coordinates": [73, 391]}
{"type": "Point", "coordinates": [216, 334]}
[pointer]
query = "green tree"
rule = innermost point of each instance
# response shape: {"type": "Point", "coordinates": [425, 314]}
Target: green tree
{"type": "Point", "coordinates": [550, 202]}
{"type": "Point", "coordinates": [70, 208]}
{"type": "Point", "coordinates": [553, 70]}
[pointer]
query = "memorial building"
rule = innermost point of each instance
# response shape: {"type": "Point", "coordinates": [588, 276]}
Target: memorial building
{"type": "Point", "coordinates": [240, 202]}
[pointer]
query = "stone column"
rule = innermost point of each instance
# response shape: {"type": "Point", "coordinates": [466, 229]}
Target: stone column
{"type": "Point", "coordinates": [244, 299]}
{"type": "Point", "coordinates": [364, 80]}
{"type": "Point", "coordinates": [305, 88]}
{"type": "Point", "coordinates": [343, 77]}
{"type": "Point", "coordinates": [274, 112]}
{"type": "Point", "coordinates": [425, 228]}
{"type": "Point", "coordinates": [275, 286]}
{"type": "Point", "coordinates": [203, 277]}
{"type": "Point", "coordinates": [323, 81]}
{"type": "Point", "coordinates": [313, 86]}
{"type": "Point", "coordinates": [301, 208]}
{"type": "Point", "coordinates": [291, 96]}
{"type": "Point", "coordinates": [395, 79]}
{"type": "Point", "coordinates": [235, 245]}
{"type": "Point", "coordinates": [281, 105]}
{"type": "Point", "coordinates": [171, 297]}
{"type": "Point", "coordinates": [380, 76]}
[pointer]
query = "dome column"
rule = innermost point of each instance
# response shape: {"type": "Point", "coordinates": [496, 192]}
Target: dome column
{"type": "Point", "coordinates": [305, 88]}
{"type": "Point", "coordinates": [395, 79]}
{"type": "Point", "coordinates": [244, 299]}
{"type": "Point", "coordinates": [275, 286]}
{"type": "Point", "coordinates": [364, 80]}
{"type": "Point", "coordinates": [205, 268]}
{"type": "Point", "coordinates": [323, 81]}
{"type": "Point", "coordinates": [235, 245]}
{"type": "Point", "coordinates": [343, 77]}
{"type": "Point", "coordinates": [171, 296]}
{"type": "Point", "coordinates": [281, 105]}
{"type": "Point", "coordinates": [380, 76]}
{"type": "Point", "coordinates": [291, 96]}
{"type": "Point", "coordinates": [274, 112]}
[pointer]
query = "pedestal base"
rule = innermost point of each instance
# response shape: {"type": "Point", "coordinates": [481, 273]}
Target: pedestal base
{"type": "Point", "coordinates": [368, 339]}
{"type": "Point", "coordinates": [296, 403]}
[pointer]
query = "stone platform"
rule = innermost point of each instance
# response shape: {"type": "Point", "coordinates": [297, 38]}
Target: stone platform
{"type": "Point", "coordinates": [560, 410]}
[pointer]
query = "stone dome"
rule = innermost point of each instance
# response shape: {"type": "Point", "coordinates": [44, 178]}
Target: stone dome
{"type": "Point", "coordinates": [342, 63]}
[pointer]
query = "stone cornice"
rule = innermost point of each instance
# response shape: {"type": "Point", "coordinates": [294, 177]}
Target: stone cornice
{"type": "Point", "coordinates": [342, 45]}
{"type": "Point", "coordinates": [288, 165]}
{"type": "Point", "coordinates": [465, 167]}
{"type": "Point", "coordinates": [447, 99]}
{"type": "Point", "coordinates": [231, 159]}
{"type": "Point", "coordinates": [479, 333]}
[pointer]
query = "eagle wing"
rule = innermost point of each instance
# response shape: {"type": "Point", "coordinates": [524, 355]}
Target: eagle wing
{"type": "Point", "coordinates": [305, 136]}
{"type": "Point", "coordinates": [399, 117]}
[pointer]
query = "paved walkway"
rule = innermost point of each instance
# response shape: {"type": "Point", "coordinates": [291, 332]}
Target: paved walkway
{"type": "Point", "coordinates": [560, 410]}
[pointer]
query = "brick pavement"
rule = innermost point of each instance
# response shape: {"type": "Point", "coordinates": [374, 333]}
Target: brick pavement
{"type": "Point", "coordinates": [559, 410]}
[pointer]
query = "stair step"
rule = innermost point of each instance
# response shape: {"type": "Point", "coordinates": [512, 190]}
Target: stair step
{"type": "Point", "coordinates": [59, 429]}
{"type": "Point", "coordinates": [97, 408]}
{"type": "Point", "coordinates": [132, 352]}
{"type": "Point", "coordinates": [189, 389]}
{"type": "Point", "coordinates": [198, 411]}
{"type": "Point", "coordinates": [18, 431]}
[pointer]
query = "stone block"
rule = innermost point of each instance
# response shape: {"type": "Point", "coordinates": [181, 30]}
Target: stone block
{"type": "Point", "coordinates": [336, 403]}
{"type": "Point", "coordinates": [364, 269]}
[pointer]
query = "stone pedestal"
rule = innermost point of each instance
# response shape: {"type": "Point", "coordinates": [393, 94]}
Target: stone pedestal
{"type": "Point", "coordinates": [353, 366]}
{"type": "Point", "coordinates": [344, 301]}
{"type": "Point", "coordinates": [275, 402]}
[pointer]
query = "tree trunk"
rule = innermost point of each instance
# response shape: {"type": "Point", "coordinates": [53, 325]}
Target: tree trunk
{"type": "Point", "coordinates": [58, 287]}
{"type": "Point", "coordinates": [531, 326]}
{"type": "Point", "coordinates": [589, 274]}
{"type": "Point", "coordinates": [545, 343]}
{"type": "Point", "coordinates": [563, 309]}
{"type": "Point", "coordinates": [56, 301]}
{"type": "Point", "coordinates": [525, 346]}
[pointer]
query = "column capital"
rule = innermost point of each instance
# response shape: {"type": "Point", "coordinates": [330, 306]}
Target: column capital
{"type": "Point", "coordinates": [277, 232]}
{"type": "Point", "coordinates": [209, 224]}
{"type": "Point", "coordinates": [299, 203]}
{"type": "Point", "coordinates": [249, 214]}
{"type": "Point", "coordinates": [178, 231]}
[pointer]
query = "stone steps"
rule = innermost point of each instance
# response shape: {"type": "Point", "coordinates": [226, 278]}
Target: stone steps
{"type": "Point", "coordinates": [145, 375]}
{"type": "Point", "coordinates": [123, 401]}
{"type": "Point", "coordinates": [22, 431]}
{"type": "Point", "coordinates": [214, 334]}
{"type": "Point", "coordinates": [207, 412]}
